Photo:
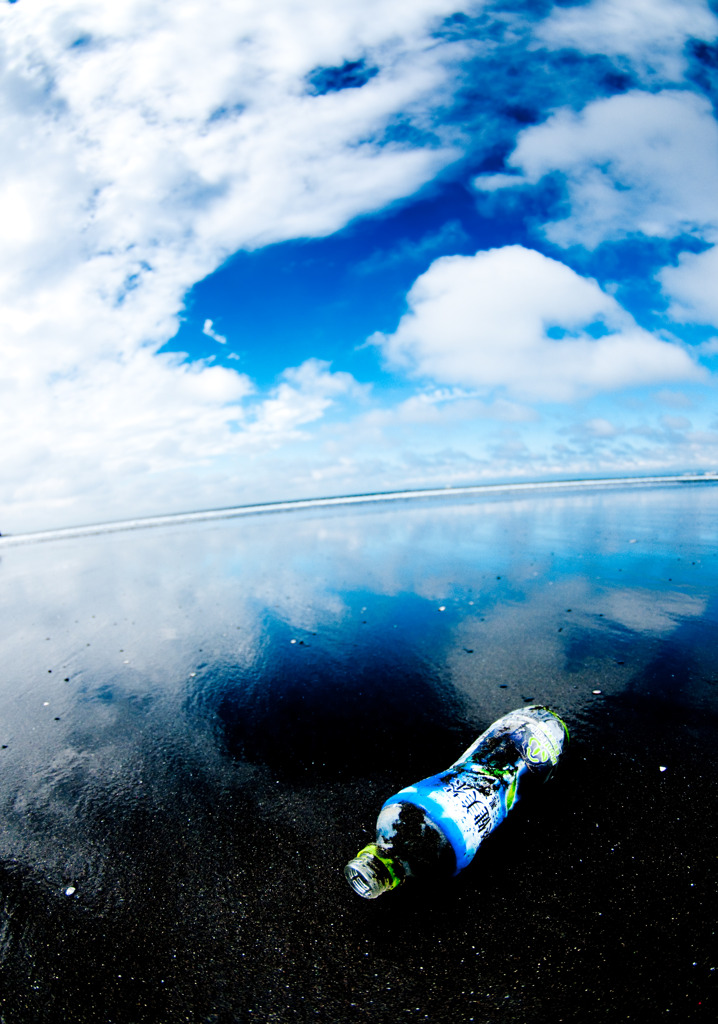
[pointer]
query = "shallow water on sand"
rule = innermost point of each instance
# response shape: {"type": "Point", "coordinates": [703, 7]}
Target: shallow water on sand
{"type": "Point", "coordinates": [199, 723]}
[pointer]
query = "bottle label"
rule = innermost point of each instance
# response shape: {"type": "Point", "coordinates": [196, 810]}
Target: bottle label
{"type": "Point", "coordinates": [465, 805]}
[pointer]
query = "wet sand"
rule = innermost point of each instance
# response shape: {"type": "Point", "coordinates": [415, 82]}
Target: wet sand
{"type": "Point", "coordinates": [200, 722]}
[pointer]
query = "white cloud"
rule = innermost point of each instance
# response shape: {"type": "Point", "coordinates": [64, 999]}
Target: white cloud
{"type": "Point", "coordinates": [693, 287]}
{"type": "Point", "coordinates": [173, 136]}
{"type": "Point", "coordinates": [600, 427]}
{"type": "Point", "coordinates": [143, 144]}
{"type": "Point", "coordinates": [303, 396]}
{"type": "Point", "coordinates": [650, 32]}
{"type": "Point", "coordinates": [442, 407]}
{"type": "Point", "coordinates": [209, 330]}
{"type": "Point", "coordinates": [496, 182]}
{"type": "Point", "coordinates": [512, 318]}
{"type": "Point", "coordinates": [465, 441]}
{"type": "Point", "coordinates": [182, 432]}
{"type": "Point", "coordinates": [674, 399]}
{"type": "Point", "coordinates": [680, 423]}
{"type": "Point", "coordinates": [639, 162]}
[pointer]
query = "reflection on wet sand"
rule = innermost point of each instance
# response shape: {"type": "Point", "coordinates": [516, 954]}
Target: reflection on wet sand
{"type": "Point", "coordinates": [198, 723]}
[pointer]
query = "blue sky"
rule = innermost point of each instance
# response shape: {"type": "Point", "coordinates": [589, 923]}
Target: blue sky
{"type": "Point", "coordinates": [271, 251]}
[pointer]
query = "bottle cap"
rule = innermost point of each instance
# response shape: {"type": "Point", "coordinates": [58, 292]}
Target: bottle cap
{"type": "Point", "coordinates": [370, 874]}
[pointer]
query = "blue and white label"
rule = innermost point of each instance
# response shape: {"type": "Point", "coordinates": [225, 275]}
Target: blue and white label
{"type": "Point", "coordinates": [466, 806]}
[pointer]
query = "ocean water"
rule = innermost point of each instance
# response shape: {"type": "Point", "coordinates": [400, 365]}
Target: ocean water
{"type": "Point", "coordinates": [199, 723]}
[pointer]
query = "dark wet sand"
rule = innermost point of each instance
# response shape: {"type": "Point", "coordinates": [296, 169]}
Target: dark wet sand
{"type": "Point", "coordinates": [200, 780]}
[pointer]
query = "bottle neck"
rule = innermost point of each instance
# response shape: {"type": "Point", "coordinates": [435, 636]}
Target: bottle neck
{"type": "Point", "coordinates": [372, 873]}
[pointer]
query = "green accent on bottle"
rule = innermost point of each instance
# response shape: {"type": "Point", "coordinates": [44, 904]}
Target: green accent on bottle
{"type": "Point", "coordinates": [512, 792]}
{"type": "Point", "coordinates": [537, 753]}
{"type": "Point", "coordinates": [388, 863]}
{"type": "Point", "coordinates": [565, 727]}
{"type": "Point", "coordinates": [491, 773]}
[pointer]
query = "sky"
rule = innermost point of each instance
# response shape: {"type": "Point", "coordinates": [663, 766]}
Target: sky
{"type": "Point", "coordinates": [257, 251]}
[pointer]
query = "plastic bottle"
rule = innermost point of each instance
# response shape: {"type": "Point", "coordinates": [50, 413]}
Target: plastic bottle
{"type": "Point", "coordinates": [436, 826]}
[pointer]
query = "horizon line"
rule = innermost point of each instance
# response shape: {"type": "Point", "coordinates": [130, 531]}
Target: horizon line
{"type": "Point", "coordinates": [295, 504]}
